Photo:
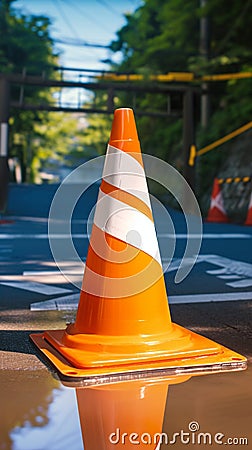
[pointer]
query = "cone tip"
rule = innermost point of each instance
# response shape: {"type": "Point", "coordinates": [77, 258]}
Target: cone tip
{"type": "Point", "coordinates": [123, 126]}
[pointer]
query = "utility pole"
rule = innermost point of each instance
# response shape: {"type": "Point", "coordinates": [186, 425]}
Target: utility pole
{"type": "Point", "coordinates": [188, 135]}
{"type": "Point", "coordinates": [204, 49]}
{"type": "Point", "coordinates": [4, 125]}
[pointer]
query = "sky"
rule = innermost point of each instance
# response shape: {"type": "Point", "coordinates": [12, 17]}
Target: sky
{"type": "Point", "coordinates": [92, 21]}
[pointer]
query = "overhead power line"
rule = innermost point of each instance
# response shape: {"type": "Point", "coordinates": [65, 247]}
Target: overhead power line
{"type": "Point", "coordinates": [109, 7]}
{"type": "Point", "coordinates": [65, 18]}
{"type": "Point", "coordinates": [80, 43]}
{"type": "Point", "coordinates": [86, 14]}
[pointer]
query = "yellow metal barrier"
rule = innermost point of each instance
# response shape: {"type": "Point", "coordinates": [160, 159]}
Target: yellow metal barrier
{"type": "Point", "coordinates": [234, 180]}
{"type": "Point", "coordinates": [176, 77]}
{"type": "Point", "coordinates": [227, 76]}
{"type": "Point", "coordinates": [208, 148]}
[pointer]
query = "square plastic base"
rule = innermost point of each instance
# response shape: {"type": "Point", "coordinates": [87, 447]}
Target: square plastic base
{"type": "Point", "coordinates": [225, 361]}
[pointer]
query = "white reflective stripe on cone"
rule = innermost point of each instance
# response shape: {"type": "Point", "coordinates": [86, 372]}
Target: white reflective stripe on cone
{"type": "Point", "coordinates": [127, 224]}
{"type": "Point", "coordinates": [110, 287]}
{"type": "Point", "coordinates": [218, 203]}
{"type": "Point", "coordinates": [250, 202]}
{"type": "Point", "coordinates": [124, 172]}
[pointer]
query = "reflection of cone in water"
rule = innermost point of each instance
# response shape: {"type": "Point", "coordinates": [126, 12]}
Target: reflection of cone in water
{"type": "Point", "coordinates": [248, 220]}
{"type": "Point", "coordinates": [124, 415]}
{"type": "Point", "coordinates": [123, 321]}
{"type": "Point", "coordinates": [217, 212]}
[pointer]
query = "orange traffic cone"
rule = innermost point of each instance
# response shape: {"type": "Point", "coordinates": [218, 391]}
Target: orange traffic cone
{"type": "Point", "coordinates": [217, 212]}
{"type": "Point", "coordinates": [123, 321]}
{"type": "Point", "coordinates": [248, 220]}
{"type": "Point", "coordinates": [124, 414]}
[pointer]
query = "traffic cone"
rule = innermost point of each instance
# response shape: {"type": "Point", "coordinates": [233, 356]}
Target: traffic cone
{"type": "Point", "coordinates": [125, 414]}
{"type": "Point", "coordinates": [217, 212]}
{"type": "Point", "coordinates": [248, 220]}
{"type": "Point", "coordinates": [123, 321]}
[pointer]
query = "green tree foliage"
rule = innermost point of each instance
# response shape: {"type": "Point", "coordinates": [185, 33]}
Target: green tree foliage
{"type": "Point", "coordinates": [160, 36]}
{"type": "Point", "coordinates": [25, 47]}
{"type": "Point", "coordinates": [60, 142]}
{"type": "Point", "coordinates": [43, 141]}
{"type": "Point", "coordinates": [64, 141]}
{"type": "Point", "coordinates": [98, 125]}
{"type": "Point", "coordinates": [164, 36]}
{"type": "Point", "coordinates": [25, 41]}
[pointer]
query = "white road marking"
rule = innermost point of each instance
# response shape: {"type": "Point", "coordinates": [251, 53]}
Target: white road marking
{"type": "Point", "coordinates": [42, 236]}
{"type": "Point", "coordinates": [230, 269]}
{"type": "Point", "coordinates": [207, 236]}
{"type": "Point", "coordinates": [160, 235]}
{"type": "Point", "coordinates": [229, 266]}
{"type": "Point", "coordinates": [229, 277]}
{"type": "Point", "coordinates": [49, 305]}
{"type": "Point", "coordinates": [36, 287]}
{"type": "Point", "coordinates": [41, 273]}
{"type": "Point", "coordinates": [205, 298]}
{"type": "Point", "coordinates": [44, 273]}
{"type": "Point", "coordinates": [240, 284]}
{"type": "Point", "coordinates": [217, 271]}
{"type": "Point", "coordinates": [45, 219]}
{"type": "Point", "coordinates": [236, 274]}
{"type": "Point", "coordinates": [67, 303]}
{"type": "Point", "coordinates": [70, 303]}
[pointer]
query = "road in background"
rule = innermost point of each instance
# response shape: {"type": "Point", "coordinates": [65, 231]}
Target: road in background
{"type": "Point", "coordinates": [29, 275]}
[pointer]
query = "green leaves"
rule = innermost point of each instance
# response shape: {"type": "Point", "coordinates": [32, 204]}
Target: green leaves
{"type": "Point", "coordinates": [164, 36]}
{"type": "Point", "coordinates": [26, 47]}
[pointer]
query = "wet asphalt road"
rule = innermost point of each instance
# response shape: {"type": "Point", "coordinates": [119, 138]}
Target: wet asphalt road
{"type": "Point", "coordinates": [28, 273]}
{"type": "Point", "coordinates": [39, 413]}
{"type": "Point", "coordinates": [223, 270]}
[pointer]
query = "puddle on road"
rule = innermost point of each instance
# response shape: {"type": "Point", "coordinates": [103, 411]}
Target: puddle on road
{"type": "Point", "coordinates": [39, 413]}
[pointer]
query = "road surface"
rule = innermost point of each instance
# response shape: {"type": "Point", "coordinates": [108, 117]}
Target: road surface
{"type": "Point", "coordinates": [29, 276]}
{"type": "Point", "coordinates": [214, 300]}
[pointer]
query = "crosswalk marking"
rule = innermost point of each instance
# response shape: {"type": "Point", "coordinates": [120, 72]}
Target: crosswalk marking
{"type": "Point", "coordinates": [229, 266]}
{"type": "Point", "coordinates": [205, 298]}
{"type": "Point", "coordinates": [160, 235]}
{"type": "Point", "coordinates": [70, 303]}
{"type": "Point", "coordinates": [242, 283]}
{"type": "Point", "coordinates": [40, 288]}
{"type": "Point", "coordinates": [46, 273]}
{"type": "Point", "coordinates": [235, 274]}
{"type": "Point", "coordinates": [66, 303]}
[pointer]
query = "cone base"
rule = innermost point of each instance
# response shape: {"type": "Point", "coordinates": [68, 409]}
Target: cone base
{"type": "Point", "coordinates": [94, 350]}
{"type": "Point", "coordinates": [217, 220]}
{"type": "Point", "coordinates": [248, 222]}
{"type": "Point", "coordinates": [204, 356]}
{"type": "Point", "coordinates": [217, 217]}
{"type": "Point", "coordinates": [5, 221]}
